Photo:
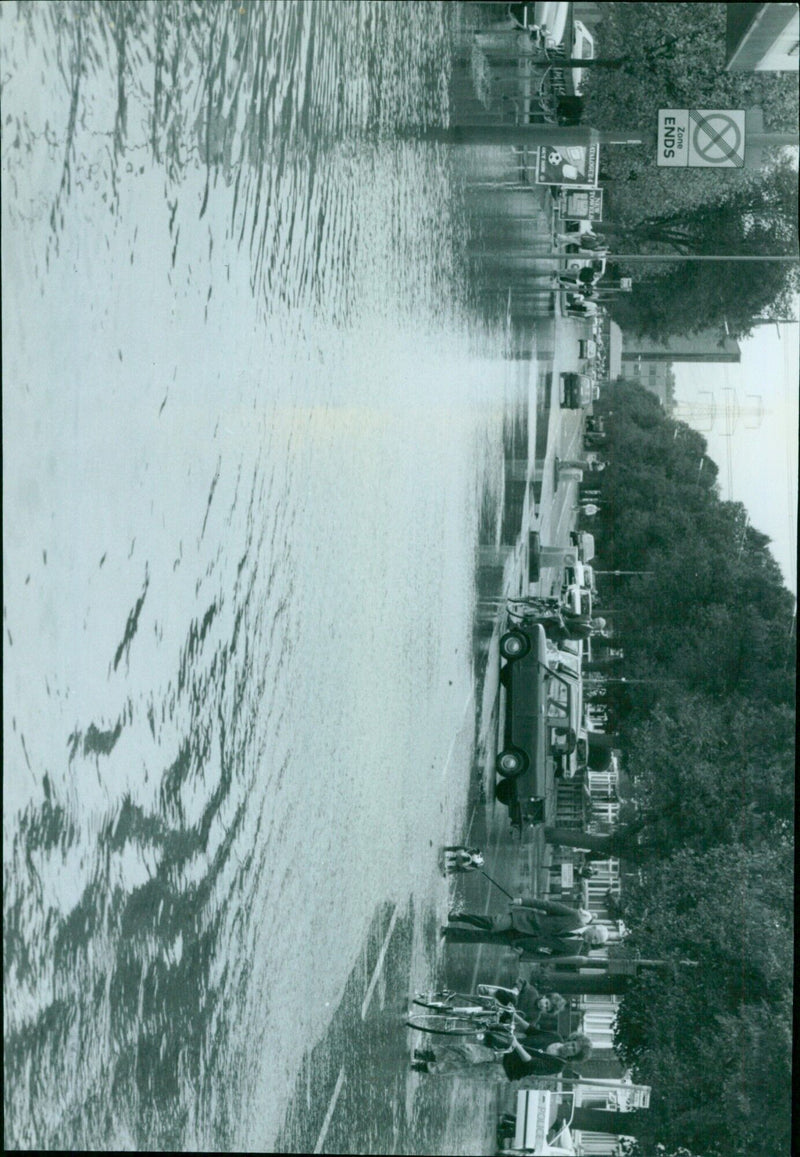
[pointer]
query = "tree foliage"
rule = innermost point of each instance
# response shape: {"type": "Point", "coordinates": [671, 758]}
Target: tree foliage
{"type": "Point", "coordinates": [707, 729]}
{"type": "Point", "coordinates": [715, 1041]}
{"type": "Point", "coordinates": [675, 58]}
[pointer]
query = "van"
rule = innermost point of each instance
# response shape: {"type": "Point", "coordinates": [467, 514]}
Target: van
{"type": "Point", "coordinates": [577, 391]}
{"type": "Point", "coordinates": [542, 1124]}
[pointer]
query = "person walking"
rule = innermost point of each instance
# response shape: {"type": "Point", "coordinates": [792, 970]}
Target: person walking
{"type": "Point", "coordinates": [593, 243]}
{"type": "Point", "coordinates": [574, 468]}
{"type": "Point", "coordinates": [483, 1063]}
{"type": "Point", "coordinates": [587, 463]}
{"type": "Point", "coordinates": [543, 927]}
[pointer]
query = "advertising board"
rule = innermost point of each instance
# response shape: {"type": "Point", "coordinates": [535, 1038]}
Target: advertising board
{"type": "Point", "coordinates": [568, 165]}
{"type": "Point", "coordinates": [581, 204]}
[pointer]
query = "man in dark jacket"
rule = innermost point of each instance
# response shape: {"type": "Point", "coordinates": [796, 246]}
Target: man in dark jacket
{"type": "Point", "coordinates": [542, 927]}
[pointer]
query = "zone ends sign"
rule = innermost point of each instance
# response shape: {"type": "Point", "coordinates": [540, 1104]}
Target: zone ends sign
{"type": "Point", "coordinates": [673, 140]}
{"type": "Point", "coordinates": [701, 138]}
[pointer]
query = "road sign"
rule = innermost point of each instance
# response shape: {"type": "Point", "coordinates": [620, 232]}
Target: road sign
{"type": "Point", "coordinates": [701, 138]}
{"type": "Point", "coordinates": [673, 126]}
{"type": "Point", "coordinates": [716, 138]}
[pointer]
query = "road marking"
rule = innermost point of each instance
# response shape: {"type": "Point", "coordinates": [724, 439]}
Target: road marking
{"type": "Point", "coordinates": [329, 1115]}
{"type": "Point", "coordinates": [379, 965]}
{"type": "Point", "coordinates": [469, 700]}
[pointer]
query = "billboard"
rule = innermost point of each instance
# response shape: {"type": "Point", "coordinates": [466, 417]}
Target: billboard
{"type": "Point", "coordinates": [568, 165]}
{"type": "Point", "coordinates": [581, 204]}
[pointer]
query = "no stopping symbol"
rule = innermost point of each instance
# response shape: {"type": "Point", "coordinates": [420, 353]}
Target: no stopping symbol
{"type": "Point", "coordinates": [717, 139]}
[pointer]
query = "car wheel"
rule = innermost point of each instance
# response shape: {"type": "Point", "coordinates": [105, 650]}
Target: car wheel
{"type": "Point", "coordinates": [513, 645]}
{"type": "Point", "coordinates": [534, 556]}
{"type": "Point", "coordinates": [505, 792]}
{"type": "Point", "coordinates": [512, 762]}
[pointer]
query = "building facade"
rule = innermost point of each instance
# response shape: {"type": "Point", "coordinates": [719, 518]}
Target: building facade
{"type": "Point", "coordinates": [762, 38]}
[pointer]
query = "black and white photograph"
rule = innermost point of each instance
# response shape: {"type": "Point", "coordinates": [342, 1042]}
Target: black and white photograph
{"type": "Point", "coordinates": [400, 438]}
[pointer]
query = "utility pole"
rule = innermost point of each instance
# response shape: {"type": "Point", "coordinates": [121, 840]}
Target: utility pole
{"type": "Point", "coordinates": [530, 135]}
{"type": "Point", "coordinates": [696, 257]}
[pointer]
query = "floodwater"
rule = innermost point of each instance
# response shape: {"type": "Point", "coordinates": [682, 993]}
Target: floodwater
{"type": "Point", "coordinates": [249, 423]}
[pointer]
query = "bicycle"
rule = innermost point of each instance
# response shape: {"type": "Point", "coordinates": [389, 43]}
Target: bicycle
{"type": "Point", "coordinates": [465, 1014]}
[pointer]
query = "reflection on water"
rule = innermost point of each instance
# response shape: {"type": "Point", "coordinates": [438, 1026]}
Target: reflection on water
{"type": "Point", "coordinates": [246, 426]}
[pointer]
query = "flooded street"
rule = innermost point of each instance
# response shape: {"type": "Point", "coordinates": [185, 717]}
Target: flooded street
{"type": "Point", "coordinates": [253, 439]}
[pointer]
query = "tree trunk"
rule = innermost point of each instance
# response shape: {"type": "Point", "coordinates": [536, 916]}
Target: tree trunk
{"type": "Point", "coordinates": [578, 984]}
{"type": "Point", "coordinates": [620, 844]}
{"type": "Point", "coordinates": [575, 838]}
{"type": "Point", "coordinates": [605, 1121]}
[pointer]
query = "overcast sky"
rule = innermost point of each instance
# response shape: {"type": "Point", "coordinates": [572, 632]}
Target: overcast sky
{"type": "Point", "coordinates": [748, 414]}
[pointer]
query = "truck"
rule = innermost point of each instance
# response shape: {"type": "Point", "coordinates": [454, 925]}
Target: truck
{"type": "Point", "coordinates": [578, 391]}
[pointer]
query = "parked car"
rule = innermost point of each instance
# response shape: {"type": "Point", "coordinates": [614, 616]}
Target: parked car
{"type": "Point", "coordinates": [587, 348]}
{"type": "Point", "coordinates": [594, 434]}
{"type": "Point", "coordinates": [573, 570]}
{"type": "Point", "coordinates": [541, 1126]}
{"type": "Point", "coordinates": [585, 544]}
{"type": "Point", "coordinates": [576, 604]}
{"type": "Point", "coordinates": [578, 390]}
{"type": "Point", "coordinates": [522, 759]}
{"type": "Point", "coordinates": [583, 47]}
{"type": "Point", "coordinates": [548, 20]}
{"type": "Point", "coordinates": [565, 713]}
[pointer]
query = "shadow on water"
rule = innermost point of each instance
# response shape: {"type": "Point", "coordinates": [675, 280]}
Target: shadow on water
{"type": "Point", "coordinates": [364, 1054]}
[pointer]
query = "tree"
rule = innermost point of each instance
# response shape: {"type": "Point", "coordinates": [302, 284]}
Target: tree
{"type": "Point", "coordinates": [693, 76]}
{"type": "Point", "coordinates": [714, 1041]}
{"type": "Point", "coordinates": [697, 211]}
{"type": "Point", "coordinates": [708, 741]}
{"type": "Point", "coordinates": [625, 842]}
